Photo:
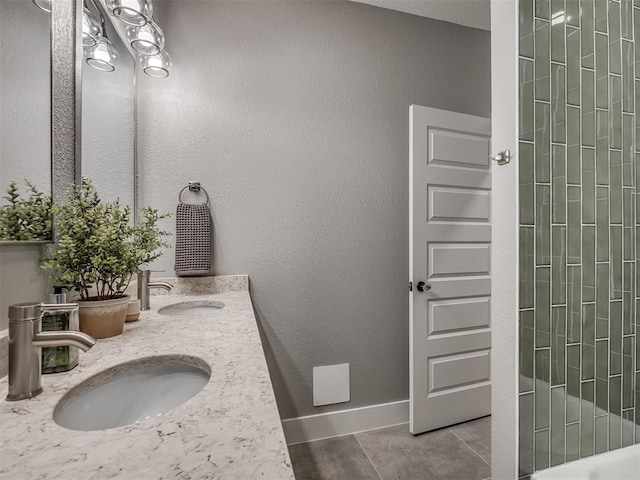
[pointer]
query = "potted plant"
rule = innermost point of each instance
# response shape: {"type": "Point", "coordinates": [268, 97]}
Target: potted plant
{"type": "Point", "coordinates": [98, 250]}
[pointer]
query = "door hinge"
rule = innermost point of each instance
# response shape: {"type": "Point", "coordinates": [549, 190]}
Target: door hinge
{"type": "Point", "coordinates": [411, 286]}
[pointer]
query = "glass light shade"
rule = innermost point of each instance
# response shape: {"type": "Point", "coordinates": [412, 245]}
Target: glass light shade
{"type": "Point", "coordinates": [157, 66]}
{"type": "Point", "coordinates": [43, 4]}
{"type": "Point", "coordinates": [147, 39]}
{"type": "Point", "coordinates": [102, 56]}
{"type": "Point", "coordinates": [131, 12]}
{"type": "Point", "coordinates": [91, 28]}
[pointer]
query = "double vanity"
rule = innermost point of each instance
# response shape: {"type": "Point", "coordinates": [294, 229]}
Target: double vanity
{"type": "Point", "coordinates": [187, 384]}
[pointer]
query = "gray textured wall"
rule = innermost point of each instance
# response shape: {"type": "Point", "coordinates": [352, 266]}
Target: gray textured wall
{"type": "Point", "coordinates": [295, 117]}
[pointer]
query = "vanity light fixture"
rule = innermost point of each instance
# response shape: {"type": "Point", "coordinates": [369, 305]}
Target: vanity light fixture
{"type": "Point", "coordinates": [131, 12]}
{"type": "Point", "coordinates": [147, 39]}
{"type": "Point", "coordinates": [91, 28]}
{"type": "Point", "coordinates": [157, 66]}
{"type": "Point", "coordinates": [102, 55]}
{"type": "Point", "coordinates": [43, 4]}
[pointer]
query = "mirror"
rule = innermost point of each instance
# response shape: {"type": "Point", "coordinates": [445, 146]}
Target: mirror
{"type": "Point", "coordinates": [108, 118]}
{"type": "Point", "coordinates": [25, 107]}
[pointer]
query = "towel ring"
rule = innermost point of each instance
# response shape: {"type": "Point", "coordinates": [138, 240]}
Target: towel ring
{"type": "Point", "coordinates": [194, 187]}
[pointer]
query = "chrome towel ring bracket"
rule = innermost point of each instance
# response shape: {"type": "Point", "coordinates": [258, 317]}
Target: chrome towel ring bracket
{"type": "Point", "coordinates": [196, 188]}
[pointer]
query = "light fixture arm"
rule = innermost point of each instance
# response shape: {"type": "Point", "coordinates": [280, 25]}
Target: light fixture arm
{"type": "Point", "coordinates": [104, 28]}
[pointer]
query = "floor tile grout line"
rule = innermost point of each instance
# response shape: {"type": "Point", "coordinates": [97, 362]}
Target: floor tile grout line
{"type": "Point", "coordinates": [470, 447]}
{"type": "Point", "coordinates": [368, 457]}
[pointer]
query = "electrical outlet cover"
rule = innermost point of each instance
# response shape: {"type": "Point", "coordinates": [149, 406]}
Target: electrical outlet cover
{"type": "Point", "coordinates": [331, 384]}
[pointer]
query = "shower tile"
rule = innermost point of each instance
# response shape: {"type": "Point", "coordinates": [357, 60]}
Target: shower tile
{"type": "Point", "coordinates": [573, 145]}
{"type": "Point", "coordinates": [527, 267]}
{"type": "Point", "coordinates": [542, 142]}
{"type": "Point", "coordinates": [627, 150]}
{"type": "Point", "coordinates": [586, 33]}
{"type": "Point", "coordinates": [627, 372]}
{"type": "Point", "coordinates": [602, 224]}
{"type": "Point", "coordinates": [615, 338]}
{"type": "Point", "coordinates": [557, 31]}
{"type": "Point", "coordinates": [526, 28]}
{"type": "Point", "coordinates": [636, 106]}
{"type": "Point", "coordinates": [558, 328]}
{"type": "Point", "coordinates": [559, 265]}
{"type": "Point", "coordinates": [558, 104]}
{"type": "Point", "coordinates": [527, 197]}
{"type": "Point", "coordinates": [526, 351]}
{"type": "Point", "coordinates": [615, 432]}
{"type": "Point", "coordinates": [588, 341]}
{"type": "Point", "coordinates": [627, 19]}
{"type": "Point", "coordinates": [573, 442]}
{"type": "Point", "coordinates": [627, 76]}
{"type": "Point", "coordinates": [602, 147]}
{"type": "Point", "coordinates": [602, 359]}
{"type": "Point", "coordinates": [615, 403]}
{"type": "Point", "coordinates": [559, 184]}
{"type": "Point", "coordinates": [542, 9]}
{"type": "Point", "coordinates": [574, 221]}
{"type": "Point", "coordinates": [627, 202]}
{"type": "Point", "coordinates": [602, 434]}
{"type": "Point", "coordinates": [525, 432]}
{"type": "Point", "coordinates": [602, 396]}
{"type": "Point", "coordinates": [573, 12]}
{"type": "Point", "coordinates": [587, 420]}
{"type": "Point", "coordinates": [543, 225]}
{"type": "Point", "coordinates": [589, 265]}
{"type": "Point", "coordinates": [542, 450]}
{"type": "Point", "coordinates": [627, 299]}
{"type": "Point", "coordinates": [616, 263]}
{"type": "Point", "coordinates": [615, 64]}
{"type": "Point", "coordinates": [588, 186]}
{"type": "Point", "coordinates": [573, 65]}
{"type": "Point", "coordinates": [628, 420]}
{"type": "Point", "coordinates": [615, 181]}
{"type": "Point", "coordinates": [615, 112]}
{"type": "Point", "coordinates": [588, 109]}
{"type": "Point", "coordinates": [601, 16]}
{"type": "Point", "coordinates": [543, 307]}
{"type": "Point", "coordinates": [602, 70]}
{"type": "Point", "coordinates": [542, 389]}
{"type": "Point", "coordinates": [636, 36]}
{"type": "Point", "coordinates": [542, 60]}
{"type": "Point", "coordinates": [602, 300]}
{"type": "Point", "coordinates": [573, 383]}
{"type": "Point", "coordinates": [557, 425]}
{"type": "Point", "coordinates": [526, 99]}
{"type": "Point", "coordinates": [574, 304]}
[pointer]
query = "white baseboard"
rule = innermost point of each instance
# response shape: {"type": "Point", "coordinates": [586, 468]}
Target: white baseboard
{"type": "Point", "coordinates": [344, 422]}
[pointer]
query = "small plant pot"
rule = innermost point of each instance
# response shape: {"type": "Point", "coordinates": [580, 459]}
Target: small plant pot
{"type": "Point", "coordinates": [103, 318]}
{"type": "Point", "coordinates": [133, 311]}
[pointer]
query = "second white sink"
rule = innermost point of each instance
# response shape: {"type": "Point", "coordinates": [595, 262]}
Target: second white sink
{"type": "Point", "coordinates": [195, 307]}
{"type": "Point", "coordinates": [132, 392]}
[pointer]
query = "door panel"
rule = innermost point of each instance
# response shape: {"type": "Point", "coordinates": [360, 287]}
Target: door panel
{"type": "Point", "coordinates": [450, 250]}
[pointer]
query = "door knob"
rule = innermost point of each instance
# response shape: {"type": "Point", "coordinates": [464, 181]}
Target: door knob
{"type": "Point", "coordinates": [423, 287]}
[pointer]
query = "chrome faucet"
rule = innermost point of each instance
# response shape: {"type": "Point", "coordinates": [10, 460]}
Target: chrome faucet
{"type": "Point", "coordinates": [26, 340]}
{"type": "Point", "coordinates": [144, 285]}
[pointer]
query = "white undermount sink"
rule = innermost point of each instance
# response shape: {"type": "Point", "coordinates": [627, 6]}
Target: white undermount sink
{"type": "Point", "coordinates": [132, 392]}
{"type": "Point", "coordinates": [194, 307]}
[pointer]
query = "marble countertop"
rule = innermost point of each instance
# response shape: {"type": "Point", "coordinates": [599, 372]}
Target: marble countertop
{"type": "Point", "coordinates": [230, 430]}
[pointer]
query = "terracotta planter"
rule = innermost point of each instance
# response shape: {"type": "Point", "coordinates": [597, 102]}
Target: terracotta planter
{"type": "Point", "coordinates": [103, 318]}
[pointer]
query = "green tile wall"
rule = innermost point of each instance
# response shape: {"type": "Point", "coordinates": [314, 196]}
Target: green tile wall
{"type": "Point", "coordinates": [579, 71]}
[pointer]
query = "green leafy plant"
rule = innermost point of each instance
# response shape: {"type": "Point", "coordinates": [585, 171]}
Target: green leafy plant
{"type": "Point", "coordinates": [98, 245]}
{"type": "Point", "coordinates": [25, 218]}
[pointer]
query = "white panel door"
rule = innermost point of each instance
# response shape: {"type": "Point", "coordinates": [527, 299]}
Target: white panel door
{"type": "Point", "coordinates": [450, 258]}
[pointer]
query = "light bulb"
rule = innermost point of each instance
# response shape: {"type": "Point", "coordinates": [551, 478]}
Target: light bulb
{"type": "Point", "coordinates": [132, 12]}
{"type": "Point", "coordinates": [102, 56]}
{"type": "Point", "coordinates": [157, 66]}
{"type": "Point", "coordinates": [147, 39]}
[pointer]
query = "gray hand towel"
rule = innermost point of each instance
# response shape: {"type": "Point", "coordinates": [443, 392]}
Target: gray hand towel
{"type": "Point", "coordinates": [193, 240]}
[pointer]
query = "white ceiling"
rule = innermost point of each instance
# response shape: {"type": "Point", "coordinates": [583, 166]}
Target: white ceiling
{"type": "Point", "coordinates": [471, 13]}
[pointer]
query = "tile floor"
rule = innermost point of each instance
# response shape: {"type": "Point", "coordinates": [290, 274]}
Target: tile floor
{"type": "Point", "coordinates": [460, 452]}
